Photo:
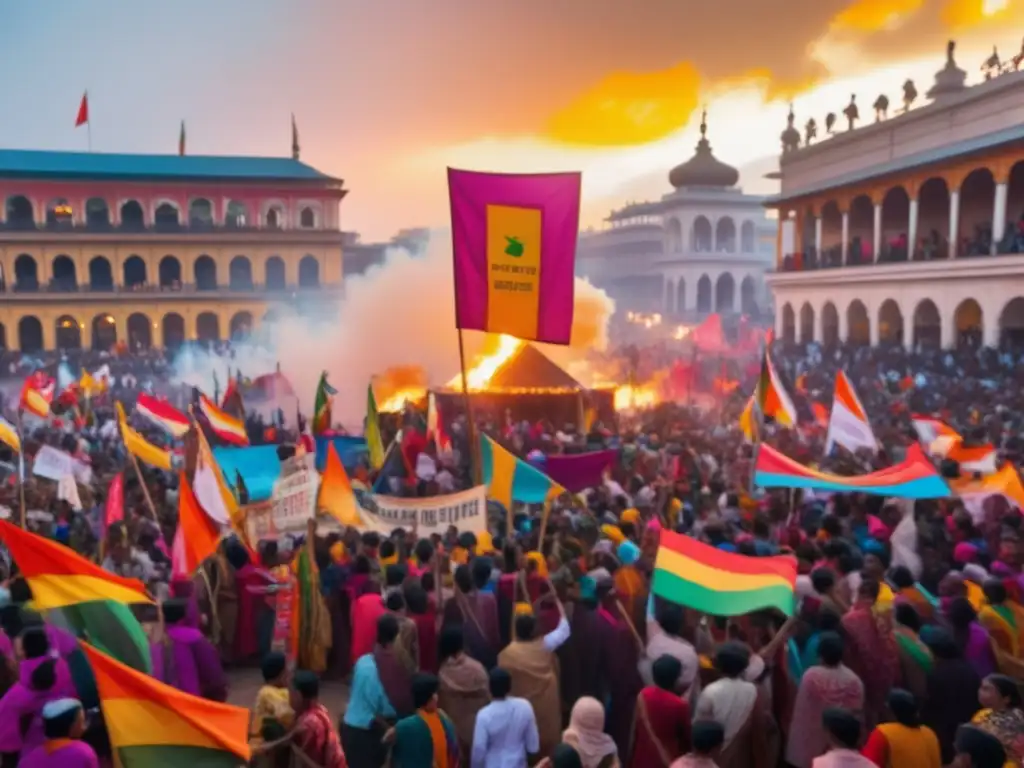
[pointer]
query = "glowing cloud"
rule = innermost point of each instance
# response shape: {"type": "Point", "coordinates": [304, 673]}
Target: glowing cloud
{"type": "Point", "coordinates": [963, 14]}
{"type": "Point", "coordinates": [876, 15]}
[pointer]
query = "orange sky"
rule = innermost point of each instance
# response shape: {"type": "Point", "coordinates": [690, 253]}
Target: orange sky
{"type": "Point", "coordinates": [386, 93]}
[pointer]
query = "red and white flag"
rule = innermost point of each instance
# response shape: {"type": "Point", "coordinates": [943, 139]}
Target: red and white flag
{"type": "Point", "coordinates": [224, 425]}
{"type": "Point", "coordinates": [435, 429]}
{"type": "Point", "coordinates": [162, 414]}
{"type": "Point", "coordinates": [848, 424]}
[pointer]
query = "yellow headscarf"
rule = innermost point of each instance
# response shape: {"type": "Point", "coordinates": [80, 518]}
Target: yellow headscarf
{"type": "Point", "coordinates": [538, 559]}
{"type": "Point", "coordinates": [631, 515]}
{"type": "Point", "coordinates": [338, 552]}
{"type": "Point", "coordinates": [460, 556]}
{"type": "Point", "coordinates": [524, 609]}
{"type": "Point", "coordinates": [612, 532]}
{"type": "Point", "coordinates": [386, 561]}
{"type": "Point", "coordinates": [484, 543]}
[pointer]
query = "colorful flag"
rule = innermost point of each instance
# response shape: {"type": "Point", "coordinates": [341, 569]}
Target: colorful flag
{"type": "Point", "coordinates": [336, 496]}
{"type": "Point", "coordinates": [435, 429]}
{"type": "Point", "coordinates": [509, 478]}
{"type": "Point", "coordinates": [9, 435]}
{"type": "Point", "coordinates": [153, 725]}
{"type": "Point", "coordinates": [374, 442]}
{"type": "Point", "coordinates": [848, 423]}
{"type": "Point", "coordinates": [162, 414]}
{"type": "Point", "coordinates": [113, 510]}
{"type": "Point", "coordinates": [322, 407]}
{"type": "Point", "coordinates": [197, 536]}
{"type": "Point", "coordinates": [514, 242]}
{"type": "Point", "coordinates": [225, 426]}
{"type": "Point", "coordinates": [696, 575]}
{"type": "Point", "coordinates": [750, 420]}
{"type": "Point", "coordinates": [83, 111]}
{"type": "Point", "coordinates": [37, 394]}
{"type": "Point", "coordinates": [212, 490]}
{"type": "Point", "coordinates": [971, 458]}
{"type": "Point", "coordinates": [973, 491]}
{"type": "Point", "coordinates": [772, 398]}
{"type": "Point", "coordinates": [929, 429]}
{"type": "Point", "coordinates": [139, 447]}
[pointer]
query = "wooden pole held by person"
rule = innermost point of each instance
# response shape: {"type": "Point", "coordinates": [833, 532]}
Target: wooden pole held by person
{"type": "Point", "coordinates": [145, 489]}
{"type": "Point", "coordinates": [474, 442]}
{"type": "Point", "coordinates": [21, 471]}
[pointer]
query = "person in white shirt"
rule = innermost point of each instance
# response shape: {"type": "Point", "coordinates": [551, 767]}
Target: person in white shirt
{"type": "Point", "coordinates": [664, 638]}
{"type": "Point", "coordinates": [506, 729]}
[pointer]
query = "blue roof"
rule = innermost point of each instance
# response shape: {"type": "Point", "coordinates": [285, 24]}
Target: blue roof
{"type": "Point", "coordinates": [24, 163]}
{"type": "Point", "coordinates": [965, 147]}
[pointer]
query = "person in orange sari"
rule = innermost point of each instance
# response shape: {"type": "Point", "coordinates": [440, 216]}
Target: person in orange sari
{"type": "Point", "coordinates": [630, 587]}
{"type": "Point", "coordinates": [909, 591]}
{"type": "Point", "coordinates": [1003, 618]}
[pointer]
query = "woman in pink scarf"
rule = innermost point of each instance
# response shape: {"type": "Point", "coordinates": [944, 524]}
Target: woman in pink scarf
{"type": "Point", "coordinates": [586, 735]}
{"type": "Point", "coordinates": [871, 652]}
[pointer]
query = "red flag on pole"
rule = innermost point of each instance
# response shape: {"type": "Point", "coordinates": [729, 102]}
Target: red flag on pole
{"type": "Point", "coordinates": [113, 512]}
{"type": "Point", "coordinates": [83, 111]}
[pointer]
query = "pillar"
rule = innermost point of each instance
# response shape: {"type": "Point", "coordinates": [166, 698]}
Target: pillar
{"type": "Point", "coordinates": [779, 252]}
{"type": "Point", "coordinates": [877, 244]}
{"type": "Point", "coordinates": [669, 293]}
{"type": "Point", "coordinates": [819, 325]}
{"type": "Point", "coordinates": [989, 332]}
{"type": "Point", "coordinates": [908, 330]}
{"type": "Point", "coordinates": [912, 230]}
{"type": "Point", "coordinates": [954, 221]}
{"type": "Point", "coordinates": [846, 235]}
{"type": "Point", "coordinates": [999, 216]}
{"type": "Point", "coordinates": [49, 332]}
{"type": "Point", "coordinates": [85, 331]}
{"type": "Point", "coordinates": [844, 325]}
{"type": "Point", "coordinates": [947, 334]}
{"type": "Point", "coordinates": [779, 325]}
{"type": "Point", "coordinates": [817, 236]}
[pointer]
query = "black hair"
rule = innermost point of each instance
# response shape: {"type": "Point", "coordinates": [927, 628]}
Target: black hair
{"type": "Point", "coordinates": [670, 619]}
{"type": "Point", "coordinates": [829, 621]}
{"type": "Point", "coordinates": [907, 616]}
{"type": "Point", "coordinates": [994, 590]}
{"type": "Point", "coordinates": [904, 708]}
{"type": "Point", "coordinates": [666, 671]}
{"type": "Point", "coordinates": [427, 580]}
{"type": "Point", "coordinates": [822, 579]}
{"type": "Point", "coordinates": [387, 629]}
{"type": "Point", "coordinates": [424, 550]}
{"type": "Point", "coordinates": [416, 599]}
{"type": "Point", "coordinates": [941, 643]}
{"type": "Point", "coordinates": [868, 588]}
{"type": "Point", "coordinates": [1007, 688]}
{"type": "Point", "coordinates": [901, 577]}
{"type": "Point", "coordinates": [307, 684]}
{"type": "Point", "coordinates": [467, 540]}
{"type": "Point", "coordinates": [565, 756]}
{"type": "Point", "coordinates": [732, 659]}
{"type": "Point", "coordinates": [394, 575]}
{"type": "Point", "coordinates": [174, 610]}
{"type": "Point", "coordinates": [387, 548]}
{"type": "Point", "coordinates": [451, 642]}
{"type": "Point", "coordinates": [961, 613]}
{"type": "Point", "coordinates": [274, 663]}
{"type": "Point", "coordinates": [526, 624]}
{"type": "Point", "coordinates": [463, 579]}
{"type": "Point", "coordinates": [34, 642]}
{"type": "Point", "coordinates": [424, 688]}
{"type": "Point", "coordinates": [842, 725]}
{"type": "Point", "coordinates": [59, 727]}
{"type": "Point", "coordinates": [361, 564]}
{"type": "Point", "coordinates": [44, 677]}
{"type": "Point", "coordinates": [371, 539]}
{"type": "Point", "coordinates": [500, 683]}
{"type": "Point", "coordinates": [984, 749]}
{"type": "Point", "coordinates": [707, 735]}
{"type": "Point", "coordinates": [395, 602]}
{"type": "Point", "coordinates": [21, 592]}
{"type": "Point", "coordinates": [830, 649]}
{"type": "Point", "coordinates": [481, 571]}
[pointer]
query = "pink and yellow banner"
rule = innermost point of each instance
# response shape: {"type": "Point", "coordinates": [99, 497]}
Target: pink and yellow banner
{"type": "Point", "coordinates": [514, 241]}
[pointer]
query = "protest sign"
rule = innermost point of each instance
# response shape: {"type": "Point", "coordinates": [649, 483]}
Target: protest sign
{"type": "Point", "coordinates": [467, 511]}
{"type": "Point", "coordinates": [52, 463]}
{"type": "Point", "coordinates": [291, 505]}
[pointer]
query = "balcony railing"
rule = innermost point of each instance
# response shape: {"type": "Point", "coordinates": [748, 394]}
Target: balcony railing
{"type": "Point", "coordinates": [28, 290]}
{"type": "Point", "coordinates": [831, 258]}
{"type": "Point", "coordinates": [158, 227]}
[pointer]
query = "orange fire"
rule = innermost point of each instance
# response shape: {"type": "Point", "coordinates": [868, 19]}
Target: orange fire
{"type": "Point", "coordinates": [630, 398]}
{"type": "Point", "coordinates": [478, 377]}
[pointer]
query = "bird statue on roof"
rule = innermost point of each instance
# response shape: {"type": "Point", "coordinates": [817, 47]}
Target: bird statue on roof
{"type": "Point", "coordinates": [830, 123]}
{"type": "Point", "coordinates": [851, 112]}
{"type": "Point", "coordinates": [810, 131]}
{"type": "Point", "coordinates": [881, 107]}
{"type": "Point", "coordinates": [909, 95]}
{"type": "Point", "coordinates": [992, 66]}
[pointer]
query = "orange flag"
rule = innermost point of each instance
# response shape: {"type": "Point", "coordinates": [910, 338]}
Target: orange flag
{"type": "Point", "coordinates": [336, 496]}
{"type": "Point", "coordinates": [197, 536]}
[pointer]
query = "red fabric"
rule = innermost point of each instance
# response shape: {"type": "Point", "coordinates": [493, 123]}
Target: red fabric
{"type": "Point", "coordinates": [669, 717]}
{"type": "Point", "coordinates": [113, 512]}
{"type": "Point", "coordinates": [365, 612]}
{"type": "Point", "coordinates": [426, 631]}
{"type": "Point", "coordinates": [83, 111]}
{"type": "Point", "coordinates": [251, 583]}
{"type": "Point", "coordinates": [877, 749]}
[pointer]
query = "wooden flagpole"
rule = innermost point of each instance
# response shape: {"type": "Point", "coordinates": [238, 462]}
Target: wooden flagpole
{"type": "Point", "coordinates": [21, 469]}
{"type": "Point", "coordinates": [474, 442]}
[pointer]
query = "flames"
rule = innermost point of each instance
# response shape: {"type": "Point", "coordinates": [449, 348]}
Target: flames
{"type": "Point", "coordinates": [480, 375]}
{"type": "Point", "coordinates": [630, 398]}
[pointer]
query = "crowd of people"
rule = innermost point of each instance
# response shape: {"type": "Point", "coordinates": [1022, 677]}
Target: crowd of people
{"type": "Point", "coordinates": [543, 643]}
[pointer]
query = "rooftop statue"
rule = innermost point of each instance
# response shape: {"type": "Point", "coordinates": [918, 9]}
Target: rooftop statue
{"type": "Point", "coordinates": [790, 136]}
{"type": "Point", "coordinates": [881, 107]}
{"type": "Point", "coordinates": [949, 80]}
{"type": "Point", "coordinates": [992, 67]}
{"type": "Point", "coordinates": [1018, 59]}
{"type": "Point", "coordinates": [909, 94]}
{"type": "Point", "coordinates": [851, 112]}
{"type": "Point", "coordinates": [810, 131]}
{"type": "Point", "coordinates": [830, 123]}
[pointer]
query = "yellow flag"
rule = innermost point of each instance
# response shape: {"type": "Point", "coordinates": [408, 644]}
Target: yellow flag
{"type": "Point", "coordinates": [374, 443]}
{"type": "Point", "coordinates": [9, 435]}
{"type": "Point", "coordinates": [336, 496]}
{"type": "Point", "coordinates": [141, 448]}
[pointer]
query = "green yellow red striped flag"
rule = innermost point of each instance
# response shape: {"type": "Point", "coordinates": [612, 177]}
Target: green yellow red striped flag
{"type": "Point", "coordinates": [702, 577]}
{"type": "Point", "coordinates": [58, 577]}
{"type": "Point", "coordinates": [153, 725]}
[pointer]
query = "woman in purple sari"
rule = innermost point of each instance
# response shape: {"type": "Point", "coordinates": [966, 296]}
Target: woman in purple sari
{"type": "Point", "coordinates": [42, 677]}
{"type": "Point", "coordinates": [186, 659]}
{"type": "Point", "coordinates": [971, 637]}
{"type": "Point", "coordinates": [63, 726]}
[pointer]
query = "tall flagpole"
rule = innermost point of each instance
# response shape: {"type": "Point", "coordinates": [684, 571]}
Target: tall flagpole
{"type": "Point", "coordinates": [88, 123]}
{"type": "Point", "coordinates": [21, 469]}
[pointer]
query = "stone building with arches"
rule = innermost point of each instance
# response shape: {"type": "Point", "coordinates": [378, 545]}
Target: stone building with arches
{"type": "Point", "coordinates": [155, 250]}
{"type": "Point", "coordinates": [909, 230]}
{"type": "Point", "coordinates": [703, 248]}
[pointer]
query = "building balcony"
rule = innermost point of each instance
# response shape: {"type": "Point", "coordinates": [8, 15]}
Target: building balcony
{"type": "Point", "coordinates": [898, 270]}
{"type": "Point", "coordinates": [30, 231]}
{"type": "Point", "coordinates": [64, 292]}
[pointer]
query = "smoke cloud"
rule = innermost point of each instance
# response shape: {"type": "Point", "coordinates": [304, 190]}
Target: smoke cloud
{"type": "Point", "coordinates": [395, 326]}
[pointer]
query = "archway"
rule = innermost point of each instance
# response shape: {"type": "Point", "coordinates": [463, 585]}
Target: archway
{"type": "Point", "coordinates": [240, 274]}
{"type": "Point", "coordinates": [307, 218]}
{"type": "Point", "coordinates": [69, 333]}
{"type": "Point", "coordinates": [132, 217]}
{"type": "Point", "coordinates": [3, 336]}
{"type": "Point", "coordinates": [104, 332]}
{"type": "Point", "coordinates": [977, 199]}
{"type": "Point", "coordinates": [274, 269]}
{"type": "Point", "coordinates": [932, 220]}
{"type": "Point", "coordinates": [26, 274]}
{"type": "Point", "coordinates": [829, 324]}
{"type": "Point", "coordinates": [927, 325]}
{"type": "Point", "coordinates": [890, 323]}
{"type": "Point", "coordinates": [205, 270]}
{"type": "Point", "coordinates": [858, 324]}
{"type": "Point", "coordinates": [725, 235]}
{"type": "Point", "coordinates": [101, 276]}
{"type": "Point", "coordinates": [97, 213]}
{"type": "Point", "coordinates": [701, 236]}
{"type": "Point", "coordinates": [704, 294]}
{"type": "Point", "coordinates": [680, 296]}
{"type": "Point", "coordinates": [968, 322]}
{"type": "Point", "coordinates": [30, 334]}
{"type": "Point", "coordinates": [59, 214]}
{"type": "Point", "coordinates": [207, 327]}
{"type": "Point", "coordinates": [200, 214]}
{"type": "Point", "coordinates": [725, 293]}
{"type": "Point", "coordinates": [309, 272]}
{"type": "Point", "coordinates": [236, 216]}
{"type": "Point", "coordinates": [674, 235]}
{"type": "Point", "coordinates": [831, 235]}
{"type": "Point", "coordinates": [862, 231]}
{"type": "Point", "coordinates": [20, 213]}
{"type": "Point", "coordinates": [1013, 240]}
{"type": "Point", "coordinates": [788, 324]}
{"type": "Point", "coordinates": [134, 272]}
{"type": "Point", "coordinates": [166, 217]}
{"type": "Point", "coordinates": [1011, 324]}
{"type": "Point", "coordinates": [170, 273]}
{"type": "Point", "coordinates": [275, 217]}
{"type": "Point", "coordinates": [747, 242]}
{"type": "Point", "coordinates": [748, 296]}
{"type": "Point", "coordinates": [241, 325]}
{"type": "Point", "coordinates": [140, 332]}
{"type": "Point", "coordinates": [173, 329]}
{"type": "Point", "coordinates": [895, 219]}
{"type": "Point", "coordinates": [806, 323]}
{"type": "Point", "coordinates": [65, 277]}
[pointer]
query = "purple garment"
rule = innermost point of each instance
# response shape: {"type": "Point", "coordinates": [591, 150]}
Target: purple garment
{"type": "Point", "coordinates": [577, 471]}
{"type": "Point", "coordinates": [197, 668]}
{"type": "Point", "coordinates": [978, 650]}
{"type": "Point", "coordinates": [187, 590]}
{"type": "Point", "coordinates": [6, 646]}
{"type": "Point", "coordinates": [62, 641]}
{"type": "Point", "coordinates": [68, 754]}
{"type": "Point", "coordinates": [22, 701]}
